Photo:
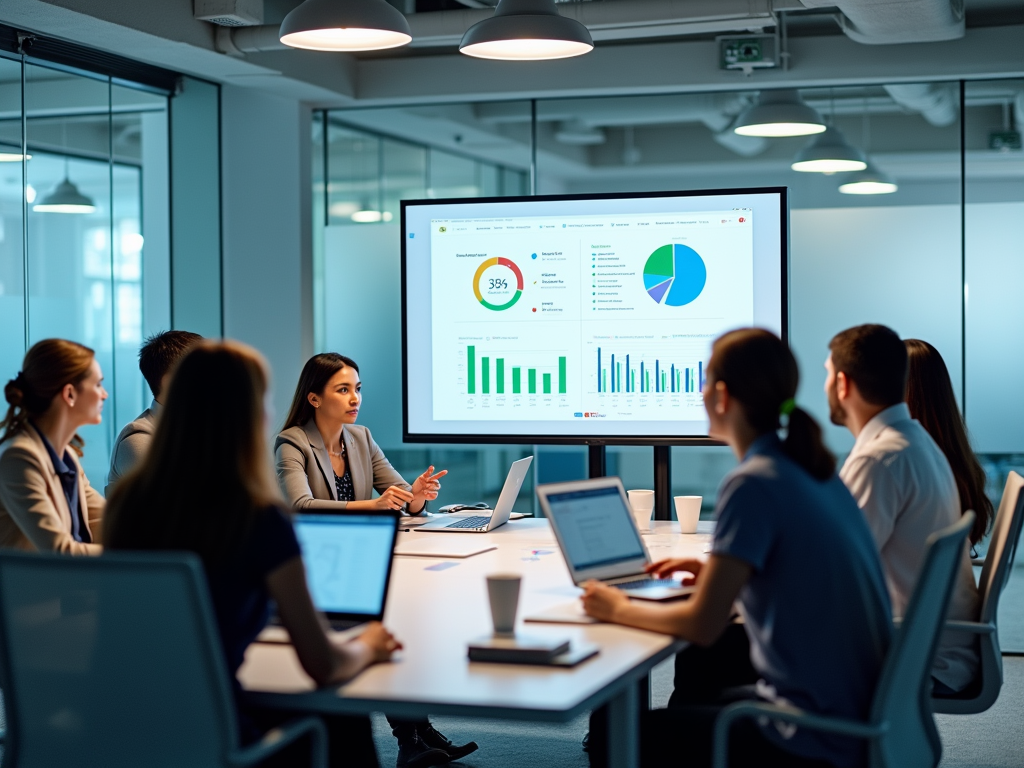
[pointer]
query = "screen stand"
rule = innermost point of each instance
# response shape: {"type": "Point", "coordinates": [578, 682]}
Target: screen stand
{"type": "Point", "coordinates": [662, 482]}
{"type": "Point", "coordinates": [596, 461]}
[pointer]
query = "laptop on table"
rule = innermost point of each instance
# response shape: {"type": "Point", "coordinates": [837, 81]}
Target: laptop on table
{"type": "Point", "coordinates": [597, 534]}
{"type": "Point", "coordinates": [502, 510]}
{"type": "Point", "coordinates": [348, 564]}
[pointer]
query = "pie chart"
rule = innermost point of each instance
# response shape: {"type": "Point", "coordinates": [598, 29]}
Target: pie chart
{"type": "Point", "coordinates": [675, 275]}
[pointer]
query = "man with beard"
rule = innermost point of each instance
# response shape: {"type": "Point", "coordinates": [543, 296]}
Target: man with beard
{"type": "Point", "coordinates": [901, 481]}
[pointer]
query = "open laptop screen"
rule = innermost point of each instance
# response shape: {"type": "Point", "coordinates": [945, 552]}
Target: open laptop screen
{"type": "Point", "coordinates": [348, 561]}
{"type": "Point", "coordinates": [596, 527]}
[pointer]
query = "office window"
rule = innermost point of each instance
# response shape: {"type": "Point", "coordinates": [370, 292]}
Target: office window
{"type": "Point", "coordinates": [96, 273]}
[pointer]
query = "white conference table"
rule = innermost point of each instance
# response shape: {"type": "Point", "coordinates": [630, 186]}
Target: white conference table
{"type": "Point", "coordinates": [436, 607]}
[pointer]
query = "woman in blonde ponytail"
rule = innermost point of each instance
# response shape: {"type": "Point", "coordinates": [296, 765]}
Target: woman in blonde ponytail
{"type": "Point", "coordinates": [46, 501]}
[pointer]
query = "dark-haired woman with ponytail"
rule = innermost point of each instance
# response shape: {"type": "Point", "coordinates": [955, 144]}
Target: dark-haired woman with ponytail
{"type": "Point", "coordinates": [46, 502]}
{"type": "Point", "coordinates": [792, 550]}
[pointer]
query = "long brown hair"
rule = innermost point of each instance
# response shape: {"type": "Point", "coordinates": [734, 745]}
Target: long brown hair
{"type": "Point", "coordinates": [207, 471]}
{"type": "Point", "coordinates": [760, 372]}
{"type": "Point", "coordinates": [932, 402]}
{"type": "Point", "coordinates": [49, 366]}
{"type": "Point", "coordinates": [314, 377]}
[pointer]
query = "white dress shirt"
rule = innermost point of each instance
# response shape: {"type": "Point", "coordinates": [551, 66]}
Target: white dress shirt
{"type": "Point", "coordinates": [906, 490]}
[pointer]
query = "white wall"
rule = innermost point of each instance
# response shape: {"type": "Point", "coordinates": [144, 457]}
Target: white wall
{"type": "Point", "coordinates": [266, 224]}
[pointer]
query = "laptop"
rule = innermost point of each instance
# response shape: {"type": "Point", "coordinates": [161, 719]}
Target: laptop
{"type": "Point", "coordinates": [598, 536]}
{"type": "Point", "coordinates": [502, 510]}
{"type": "Point", "coordinates": [348, 564]}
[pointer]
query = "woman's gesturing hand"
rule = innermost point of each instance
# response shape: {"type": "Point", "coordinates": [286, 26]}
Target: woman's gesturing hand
{"type": "Point", "coordinates": [426, 486]}
{"type": "Point", "coordinates": [394, 497]}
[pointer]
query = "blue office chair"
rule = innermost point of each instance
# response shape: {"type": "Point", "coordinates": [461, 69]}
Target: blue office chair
{"type": "Point", "coordinates": [115, 661]}
{"type": "Point", "coordinates": [995, 573]}
{"type": "Point", "coordinates": [901, 728]}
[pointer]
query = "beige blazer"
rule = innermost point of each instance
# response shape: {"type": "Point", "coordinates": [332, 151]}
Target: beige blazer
{"type": "Point", "coordinates": [34, 513]}
{"type": "Point", "coordinates": [307, 477]}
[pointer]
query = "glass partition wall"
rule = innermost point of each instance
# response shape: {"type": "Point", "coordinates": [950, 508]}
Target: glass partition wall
{"type": "Point", "coordinates": [931, 247]}
{"type": "Point", "coordinates": [82, 254]}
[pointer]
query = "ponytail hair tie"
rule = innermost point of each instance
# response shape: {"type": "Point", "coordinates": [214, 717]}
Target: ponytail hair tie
{"type": "Point", "coordinates": [787, 407]}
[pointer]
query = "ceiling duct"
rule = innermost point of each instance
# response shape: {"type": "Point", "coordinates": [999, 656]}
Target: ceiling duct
{"type": "Point", "coordinates": [897, 21]}
{"type": "Point", "coordinates": [937, 102]}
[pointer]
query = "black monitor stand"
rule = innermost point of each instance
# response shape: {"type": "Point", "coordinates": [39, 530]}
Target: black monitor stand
{"type": "Point", "coordinates": [598, 467]}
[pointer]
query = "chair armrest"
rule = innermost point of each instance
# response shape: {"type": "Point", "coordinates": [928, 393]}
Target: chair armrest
{"type": "Point", "coordinates": [970, 626]}
{"type": "Point", "coordinates": [280, 737]}
{"type": "Point", "coordinates": [793, 715]}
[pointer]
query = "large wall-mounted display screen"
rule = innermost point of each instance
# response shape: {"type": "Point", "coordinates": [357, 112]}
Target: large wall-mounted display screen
{"type": "Point", "coordinates": [581, 318]}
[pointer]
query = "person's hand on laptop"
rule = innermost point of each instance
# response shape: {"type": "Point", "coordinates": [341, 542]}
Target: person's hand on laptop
{"type": "Point", "coordinates": [663, 569]}
{"type": "Point", "coordinates": [380, 642]}
{"type": "Point", "coordinates": [426, 486]}
{"type": "Point", "coordinates": [603, 602]}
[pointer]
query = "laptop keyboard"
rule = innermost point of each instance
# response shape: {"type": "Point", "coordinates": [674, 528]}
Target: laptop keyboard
{"type": "Point", "coordinates": [477, 521]}
{"type": "Point", "coordinates": [648, 582]}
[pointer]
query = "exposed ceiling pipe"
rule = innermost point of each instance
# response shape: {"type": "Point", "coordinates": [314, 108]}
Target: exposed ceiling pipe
{"type": "Point", "coordinates": [937, 102]}
{"type": "Point", "coordinates": [897, 21]}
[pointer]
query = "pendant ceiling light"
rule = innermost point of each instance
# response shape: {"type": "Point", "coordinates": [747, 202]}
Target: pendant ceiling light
{"type": "Point", "coordinates": [779, 113]}
{"type": "Point", "coordinates": [526, 30]}
{"type": "Point", "coordinates": [870, 181]}
{"type": "Point", "coordinates": [829, 152]}
{"type": "Point", "coordinates": [345, 25]}
{"type": "Point", "coordinates": [65, 198]}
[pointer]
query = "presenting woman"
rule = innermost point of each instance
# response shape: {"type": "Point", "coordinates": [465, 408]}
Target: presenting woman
{"type": "Point", "coordinates": [46, 502]}
{"type": "Point", "coordinates": [326, 463]}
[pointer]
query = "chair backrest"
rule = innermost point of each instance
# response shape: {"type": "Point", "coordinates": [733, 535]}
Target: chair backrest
{"type": "Point", "coordinates": [903, 696]}
{"type": "Point", "coordinates": [113, 661]}
{"type": "Point", "coordinates": [1002, 547]}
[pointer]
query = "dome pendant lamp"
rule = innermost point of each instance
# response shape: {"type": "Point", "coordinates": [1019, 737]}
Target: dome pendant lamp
{"type": "Point", "coordinates": [779, 113]}
{"type": "Point", "coordinates": [345, 25]}
{"type": "Point", "coordinates": [526, 30]}
{"type": "Point", "coordinates": [829, 152]}
{"type": "Point", "coordinates": [65, 198]}
{"type": "Point", "coordinates": [870, 181]}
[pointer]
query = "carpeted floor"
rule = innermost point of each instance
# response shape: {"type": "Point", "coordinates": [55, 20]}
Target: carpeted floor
{"type": "Point", "coordinates": [994, 739]}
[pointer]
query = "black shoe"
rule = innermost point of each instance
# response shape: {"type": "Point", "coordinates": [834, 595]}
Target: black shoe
{"type": "Point", "coordinates": [586, 742]}
{"type": "Point", "coordinates": [414, 753]}
{"type": "Point", "coordinates": [432, 738]}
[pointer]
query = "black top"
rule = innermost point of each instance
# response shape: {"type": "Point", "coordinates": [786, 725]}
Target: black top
{"type": "Point", "coordinates": [238, 586]}
{"type": "Point", "coordinates": [68, 474]}
{"type": "Point", "coordinates": [343, 485]}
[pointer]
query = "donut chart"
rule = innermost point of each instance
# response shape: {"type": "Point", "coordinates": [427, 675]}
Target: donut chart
{"type": "Point", "coordinates": [498, 287]}
{"type": "Point", "coordinates": [675, 275]}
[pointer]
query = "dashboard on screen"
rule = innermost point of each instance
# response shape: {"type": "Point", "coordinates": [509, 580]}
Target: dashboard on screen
{"type": "Point", "coordinates": [581, 318]}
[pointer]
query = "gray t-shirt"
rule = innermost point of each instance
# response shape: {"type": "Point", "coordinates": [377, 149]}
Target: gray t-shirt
{"type": "Point", "coordinates": [816, 608]}
{"type": "Point", "coordinates": [905, 488]}
{"type": "Point", "coordinates": [131, 446]}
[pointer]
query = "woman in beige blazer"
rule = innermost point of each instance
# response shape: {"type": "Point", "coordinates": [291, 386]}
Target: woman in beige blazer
{"type": "Point", "coordinates": [46, 501]}
{"type": "Point", "coordinates": [326, 463]}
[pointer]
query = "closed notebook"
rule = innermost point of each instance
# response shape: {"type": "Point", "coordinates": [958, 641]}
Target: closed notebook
{"type": "Point", "coordinates": [521, 649]}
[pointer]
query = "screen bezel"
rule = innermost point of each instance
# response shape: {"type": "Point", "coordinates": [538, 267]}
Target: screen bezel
{"type": "Point", "coordinates": [627, 567]}
{"type": "Point", "coordinates": [540, 439]}
{"type": "Point", "coordinates": [394, 517]}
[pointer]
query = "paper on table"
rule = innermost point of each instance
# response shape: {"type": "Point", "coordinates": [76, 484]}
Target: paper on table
{"type": "Point", "coordinates": [563, 613]}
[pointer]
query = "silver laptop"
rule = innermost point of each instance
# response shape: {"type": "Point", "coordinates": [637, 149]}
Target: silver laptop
{"type": "Point", "coordinates": [502, 510]}
{"type": "Point", "coordinates": [598, 536]}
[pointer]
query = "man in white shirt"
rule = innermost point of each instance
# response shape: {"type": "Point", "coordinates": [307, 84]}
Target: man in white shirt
{"type": "Point", "coordinates": [157, 357]}
{"type": "Point", "coordinates": [901, 481]}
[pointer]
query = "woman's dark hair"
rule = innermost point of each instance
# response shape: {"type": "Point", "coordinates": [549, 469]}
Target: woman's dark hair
{"type": "Point", "coordinates": [932, 402]}
{"type": "Point", "coordinates": [49, 366]}
{"type": "Point", "coordinates": [314, 377]}
{"type": "Point", "coordinates": [207, 471]}
{"type": "Point", "coordinates": [759, 371]}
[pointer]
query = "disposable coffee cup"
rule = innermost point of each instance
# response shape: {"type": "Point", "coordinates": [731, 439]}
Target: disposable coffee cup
{"type": "Point", "coordinates": [503, 591]}
{"type": "Point", "coordinates": [688, 512]}
{"type": "Point", "coordinates": [642, 504]}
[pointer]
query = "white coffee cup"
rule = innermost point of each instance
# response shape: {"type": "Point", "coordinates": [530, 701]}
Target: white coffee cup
{"type": "Point", "coordinates": [503, 591]}
{"type": "Point", "coordinates": [688, 512]}
{"type": "Point", "coordinates": [642, 504]}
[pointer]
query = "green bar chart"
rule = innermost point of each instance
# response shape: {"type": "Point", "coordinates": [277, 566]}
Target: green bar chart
{"type": "Point", "coordinates": [488, 373]}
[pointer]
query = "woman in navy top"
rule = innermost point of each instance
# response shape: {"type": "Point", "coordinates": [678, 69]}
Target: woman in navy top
{"type": "Point", "coordinates": [793, 551]}
{"type": "Point", "coordinates": [206, 486]}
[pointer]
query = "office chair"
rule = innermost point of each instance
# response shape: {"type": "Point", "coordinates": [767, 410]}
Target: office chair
{"type": "Point", "coordinates": [115, 661]}
{"type": "Point", "coordinates": [995, 573]}
{"type": "Point", "coordinates": [900, 729]}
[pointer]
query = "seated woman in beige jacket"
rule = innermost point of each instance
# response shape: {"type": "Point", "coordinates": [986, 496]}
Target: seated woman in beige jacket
{"type": "Point", "coordinates": [46, 502]}
{"type": "Point", "coordinates": [325, 463]}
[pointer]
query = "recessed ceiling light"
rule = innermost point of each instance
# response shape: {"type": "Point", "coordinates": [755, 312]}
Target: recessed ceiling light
{"type": "Point", "coordinates": [779, 113]}
{"type": "Point", "coordinates": [526, 30]}
{"type": "Point", "coordinates": [345, 25]}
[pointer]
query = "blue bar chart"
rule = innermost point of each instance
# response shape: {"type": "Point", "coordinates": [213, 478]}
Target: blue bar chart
{"type": "Point", "coordinates": [645, 373]}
